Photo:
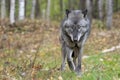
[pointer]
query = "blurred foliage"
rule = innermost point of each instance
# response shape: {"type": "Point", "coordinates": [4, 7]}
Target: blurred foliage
{"type": "Point", "coordinates": [55, 9]}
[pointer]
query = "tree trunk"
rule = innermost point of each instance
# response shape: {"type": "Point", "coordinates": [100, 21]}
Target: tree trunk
{"type": "Point", "coordinates": [8, 8]}
{"type": "Point", "coordinates": [37, 12]}
{"type": "Point", "coordinates": [3, 9]}
{"type": "Point", "coordinates": [61, 8]}
{"type": "Point", "coordinates": [89, 4]}
{"type": "Point", "coordinates": [109, 13]}
{"type": "Point", "coordinates": [82, 4]}
{"type": "Point", "coordinates": [48, 10]}
{"type": "Point", "coordinates": [33, 9]}
{"type": "Point", "coordinates": [25, 7]}
{"type": "Point", "coordinates": [43, 14]}
{"type": "Point", "coordinates": [21, 9]}
{"type": "Point", "coordinates": [95, 9]}
{"type": "Point", "coordinates": [12, 11]}
{"type": "Point", "coordinates": [100, 9]}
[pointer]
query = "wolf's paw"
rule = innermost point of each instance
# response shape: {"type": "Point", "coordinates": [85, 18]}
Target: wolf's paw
{"type": "Point", "coordinates": [62, 68]}
{"type": "Point", "coordinates": [79, 74]}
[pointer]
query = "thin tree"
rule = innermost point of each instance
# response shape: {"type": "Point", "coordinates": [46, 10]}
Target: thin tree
{"type": "Point", "coordinates": [21, 9]}
{"type": "Point", "coordinates": [109, 13]}
{"type": "Point", "coordinates": [61, 8]}
{"type": "Point", "coordinates": [25, 7]}
{"type": "Point", "coordinates": [48, 10]}
{"type": "Point", "coordinates": [3, 9]}
{"type": "Point", "coordinates": [12, 11]}
{"type": "Point", "coordinates": [95, 9]}
{"type": "Point", "coordinates": [82, 4]}
{"type": "Point", "coordinates": [43, 14]}
{"type": "Point", "coordinates": [8, 7]}
{"type": "Point", "coordinates": [89, 4]}
{"type": "Point", "coordinates": [33, 9]}
{"type": "Point", "coordinates": [100, 9]}
{"type": "Point", "coordinates": [37, 12]}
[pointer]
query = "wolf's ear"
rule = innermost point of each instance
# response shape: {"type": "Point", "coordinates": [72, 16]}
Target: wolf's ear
{"type": "Point", "coordinates": [67, 12]}
{"type": "Point", "coordinates": [85, 12]}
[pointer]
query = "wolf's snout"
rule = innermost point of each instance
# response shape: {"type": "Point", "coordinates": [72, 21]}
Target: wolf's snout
{"type": "Point", "coordinates": [75, 40]}
{"type": "Point", "coordinates": [75, 22]}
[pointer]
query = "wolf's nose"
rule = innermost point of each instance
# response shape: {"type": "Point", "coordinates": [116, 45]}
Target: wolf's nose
{"type": "Point", "coordinates": [75, 22]}
{"type": "Point", "coordinates": [75, 40]}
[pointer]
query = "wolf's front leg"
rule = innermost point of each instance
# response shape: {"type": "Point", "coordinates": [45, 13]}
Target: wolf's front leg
{"type": "Point", "coordinates": [78, 68]}
{"type": "Point", "coordinates": [70, 59]}
{"type": "Point", "coordinates": [64, 55]}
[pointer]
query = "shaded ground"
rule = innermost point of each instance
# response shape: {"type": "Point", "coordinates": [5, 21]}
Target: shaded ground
{"type": "Point", "coordinates": [31, 50]}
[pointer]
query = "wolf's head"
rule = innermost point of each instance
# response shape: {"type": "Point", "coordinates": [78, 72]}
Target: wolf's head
{"type": "Point", "coordinates": [76, 23]}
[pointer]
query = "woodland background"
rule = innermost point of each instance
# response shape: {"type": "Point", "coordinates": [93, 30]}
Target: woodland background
{"type": "Point", "coordinates": [29, 40]}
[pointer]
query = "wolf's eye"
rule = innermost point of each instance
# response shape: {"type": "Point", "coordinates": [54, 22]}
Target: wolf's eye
{"type": "Point", "coordinates": [70, 29]}
{"type": "Point", "coordinates": [78, 26]}
{"type": "Point", "coordinates": [82, 26]}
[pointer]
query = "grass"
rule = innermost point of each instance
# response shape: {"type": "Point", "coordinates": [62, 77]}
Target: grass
{"type": "Point", "coordinates": [19, 50]}
{"type": "Point", "coordinates": [96, 67]}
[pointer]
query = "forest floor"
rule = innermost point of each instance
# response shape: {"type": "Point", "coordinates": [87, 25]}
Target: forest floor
{"type": "Point", "coordinates": [31, 50]}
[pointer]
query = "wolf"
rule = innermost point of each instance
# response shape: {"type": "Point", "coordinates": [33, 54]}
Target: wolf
{"type": "Point", "coordinates": [74, 31]}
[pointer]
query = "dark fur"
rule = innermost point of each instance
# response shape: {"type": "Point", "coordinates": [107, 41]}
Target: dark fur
{"type": "Point", "coordinates": [74, 31]}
